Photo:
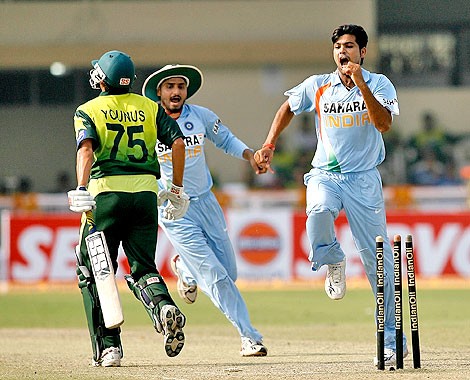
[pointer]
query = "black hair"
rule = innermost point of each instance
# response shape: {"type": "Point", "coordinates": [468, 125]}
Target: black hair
{"type": "Point", "coordinates": [355, 30]}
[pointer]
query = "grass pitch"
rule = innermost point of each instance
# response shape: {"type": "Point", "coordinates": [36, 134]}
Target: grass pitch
{"type": "Point", "coordinates": [43, 335]}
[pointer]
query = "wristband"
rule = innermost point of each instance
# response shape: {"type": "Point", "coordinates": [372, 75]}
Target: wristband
{"type": "Point", "coordinates": [269, 146]}
{"type": "Point", "coordinates": [176, 190]}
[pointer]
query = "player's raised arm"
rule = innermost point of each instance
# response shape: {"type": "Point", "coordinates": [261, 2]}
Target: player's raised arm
{"type": "Point", "coordinates": [380, 116]}
{"type": "Point", "coordinates": [282, 119]}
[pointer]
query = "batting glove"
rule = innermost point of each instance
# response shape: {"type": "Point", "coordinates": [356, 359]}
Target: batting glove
{"type": "Point", "coordinates": [80, 200]}
{"type": "Point", "coordinates": [162, 197]}
{"type": "Point", "coordinates": [178, 203]}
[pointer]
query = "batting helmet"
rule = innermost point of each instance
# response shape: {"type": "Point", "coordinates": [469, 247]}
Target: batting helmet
{"type": "Point", "coordinates": [115, 68]}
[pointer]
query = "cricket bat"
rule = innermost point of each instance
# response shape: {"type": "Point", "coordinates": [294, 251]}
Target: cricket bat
{"type": "Point", "coordinates": [103, 272]}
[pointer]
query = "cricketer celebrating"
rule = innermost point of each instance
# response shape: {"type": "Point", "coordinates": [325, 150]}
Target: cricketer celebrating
{"type": "Point", "coordinates": [352, 107]}
{"type": "Point", "coordinates": [116, 135]}
{"type": "Point", "coordinates": [205, 254]}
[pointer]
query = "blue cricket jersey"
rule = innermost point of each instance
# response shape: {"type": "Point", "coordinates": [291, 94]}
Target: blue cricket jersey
{"type": "Point", "coordinates": [347, 139]}
{"type": "Point", "coordinates": [198, 124]}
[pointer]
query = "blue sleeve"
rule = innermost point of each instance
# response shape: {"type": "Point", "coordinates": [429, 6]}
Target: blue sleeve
{"type": "Point", "coordinates": [222, 137]}
{"type": "Point", "coordinates": [301, 97]}
{"type": "Point", "coordinates": [386, 94]}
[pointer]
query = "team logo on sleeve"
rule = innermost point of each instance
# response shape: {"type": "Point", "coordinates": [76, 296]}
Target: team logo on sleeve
{"type": "Point", "coordinates": [389, 102]}
{"type": "Point", "coordinates": [188, 125]}
{"type": "Point", "coordinates": [80, 135]}
{"type": "Point", "coordinates": [216, 127]}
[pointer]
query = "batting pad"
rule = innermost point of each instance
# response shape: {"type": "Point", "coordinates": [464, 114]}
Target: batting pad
{"type": "Point", "coordinates": [105, 281]}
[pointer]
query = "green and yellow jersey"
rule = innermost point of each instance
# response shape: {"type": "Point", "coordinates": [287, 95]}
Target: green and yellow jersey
{"type": "Point", "coordinates": [124, 129]}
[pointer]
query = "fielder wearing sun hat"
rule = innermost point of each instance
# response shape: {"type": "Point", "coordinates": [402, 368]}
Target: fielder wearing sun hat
{"type": "Point", "coordinates": [191, 75]}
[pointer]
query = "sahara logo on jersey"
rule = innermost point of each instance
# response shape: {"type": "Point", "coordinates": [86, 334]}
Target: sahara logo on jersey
{"type": "Point", "coordinates": [194, 144]}
{"type": "Point", "coordinates": [344, 107]}
{"type": "Point", "coordinates": [345, 115]}
{"type": "Point", "coordinates": [189, 141]}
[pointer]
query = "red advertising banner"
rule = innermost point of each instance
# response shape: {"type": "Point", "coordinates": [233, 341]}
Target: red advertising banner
{"type": "Point", "coordinates": [441, 242]}
{"type": "Point", "coordinates": [40, 247]}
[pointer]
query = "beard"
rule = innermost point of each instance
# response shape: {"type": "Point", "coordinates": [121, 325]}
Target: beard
{"type": "Point", "coordinates": [171, 107]}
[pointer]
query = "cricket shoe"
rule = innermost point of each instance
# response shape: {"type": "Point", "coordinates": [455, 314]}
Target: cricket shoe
{"type": "Point", "coordinates": [187, 292]}
{"type": "Point", "coordinates": [251, 347]}
{"type": "Point", "coordinates": [111, 357]}
{"type": "Point", "coordinates": [390, 357]}
{"type": "Point", "coordinates": [173, 321]}
{"type": "Point", "coordinates": [335, 282]}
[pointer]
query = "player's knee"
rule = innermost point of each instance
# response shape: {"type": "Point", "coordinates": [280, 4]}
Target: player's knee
{"type": "Point", "coordinates": [233, 274]}
{"type": "Point", "coordinates": [320, 228]}
{"type": "Point", "coordinates": [213, 272]}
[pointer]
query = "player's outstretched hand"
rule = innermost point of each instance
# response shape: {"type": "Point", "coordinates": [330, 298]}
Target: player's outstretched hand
{"type": "Point", "coordinates": [258, 168]}
{"type": "Point", "coordinates": [263, 159]}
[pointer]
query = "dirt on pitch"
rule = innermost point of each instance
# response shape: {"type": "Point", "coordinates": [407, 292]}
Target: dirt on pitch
{"type": "Point", "coordinates": [212, 354]}
{"type": "Point", "coordinates": [331, 350]}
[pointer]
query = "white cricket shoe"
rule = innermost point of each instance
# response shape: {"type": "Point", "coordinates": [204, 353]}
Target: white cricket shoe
{"type": "Point", "coordinates": [173, 321]}
{"type": "Point", "coordinates": [187, 292]}
{"type": "Point", "coordinates": [111, 357]}
{"type": "Point", "coordinates": [390, 357]}
{"type": "Point", "coordinates": [335, 282]}
{"type": "Point", "coordinates": [251, 347]}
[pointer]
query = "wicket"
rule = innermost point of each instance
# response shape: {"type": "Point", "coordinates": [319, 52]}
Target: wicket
{"type": "Point", "coordinates": [397, 280]}
{"type": "Point", "coordinates": [379, 255]}
{"type": "Point", "coordinates": [412, 299]}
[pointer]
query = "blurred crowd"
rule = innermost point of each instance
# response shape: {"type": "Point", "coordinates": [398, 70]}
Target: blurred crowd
{"type": "Point", "coordinates": [23, 184]}
{"type": "Point", "coordinates": [18, 193]}
{"type": "Point", "coordinates": [430, 157]}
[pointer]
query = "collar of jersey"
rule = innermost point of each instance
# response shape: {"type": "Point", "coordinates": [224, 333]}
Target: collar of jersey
{"type": "Point", "coordinates": [337, 81]}
{"type": "Point", "coordinates": [185, 110]}
{"type": "Point", "coordinates": [106, 93]}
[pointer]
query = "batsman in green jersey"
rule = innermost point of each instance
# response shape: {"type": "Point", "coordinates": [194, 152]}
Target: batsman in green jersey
{"type": "Point", "coordinates": [117, 171]}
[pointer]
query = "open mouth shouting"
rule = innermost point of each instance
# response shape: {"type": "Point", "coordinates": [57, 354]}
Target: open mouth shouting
{"type": "Point", "coordinates": [175, 99]}
{"type": "Point", "coordinates": [343, 61]}
{"type": "Point", "coordinates": [175, 103]}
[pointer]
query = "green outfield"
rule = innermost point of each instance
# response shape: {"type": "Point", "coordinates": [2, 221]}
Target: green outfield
{"type": "Point", "coordinates": [43, 336]}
